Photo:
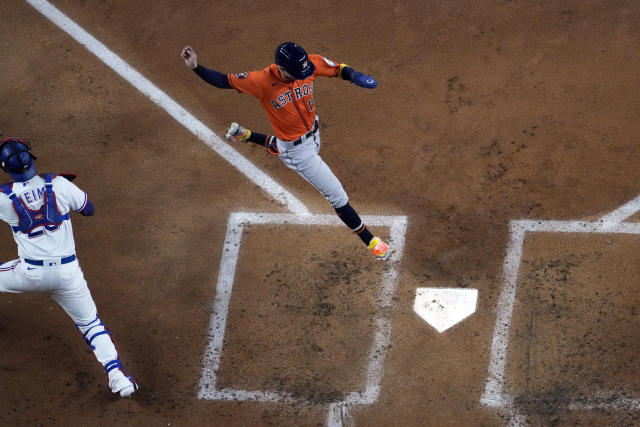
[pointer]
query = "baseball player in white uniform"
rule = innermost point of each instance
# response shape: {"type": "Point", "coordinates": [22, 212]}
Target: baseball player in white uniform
{"type": "Point", "coordinates": [37, 208]}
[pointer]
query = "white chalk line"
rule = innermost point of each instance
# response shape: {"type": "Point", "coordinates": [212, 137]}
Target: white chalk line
{"type": "Point", "coordinates": [622, 213]}
{"type": "Point", "coordinates": [494, 394]}
{"type": "Point", "coordinates": [175, 110]}
{"type": "Point", "coordinates": [381, 336]}
{"type": "Point", "coordinates": [606, 400]}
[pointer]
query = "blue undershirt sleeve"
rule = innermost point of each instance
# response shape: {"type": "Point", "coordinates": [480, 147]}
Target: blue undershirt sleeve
{"type": "Point", "coordinates": [213, 77]}
{"type": "Point", "coordinates": [89, 209]}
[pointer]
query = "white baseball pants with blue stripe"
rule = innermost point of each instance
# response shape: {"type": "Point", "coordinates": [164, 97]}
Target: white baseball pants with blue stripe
{"type": "Point", "coordinates": [66, 285]}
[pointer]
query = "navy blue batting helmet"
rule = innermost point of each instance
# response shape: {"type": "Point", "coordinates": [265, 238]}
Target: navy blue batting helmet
{"type": "Point", "coordinates": [16, 158]}
{"type": "Point", "coordinates": [294, 60]}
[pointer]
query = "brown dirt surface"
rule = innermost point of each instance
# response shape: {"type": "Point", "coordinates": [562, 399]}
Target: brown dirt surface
{"type": "Point", "coordinates": [575, 334]}
{"type": "Point", "coordinates": [486, 112]}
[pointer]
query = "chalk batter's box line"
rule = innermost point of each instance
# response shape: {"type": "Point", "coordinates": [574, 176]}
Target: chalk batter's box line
{"type": "Point", "coordinates": [494, 394]}
{"type": "Point", "coordinates": [382, 332]}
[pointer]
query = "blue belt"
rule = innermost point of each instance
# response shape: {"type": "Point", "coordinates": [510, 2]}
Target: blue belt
{"type": "Point", "coordinates": [65, 260]}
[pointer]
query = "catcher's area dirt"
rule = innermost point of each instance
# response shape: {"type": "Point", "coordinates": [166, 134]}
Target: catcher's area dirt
{"type": "Point", "coordinates": [487, 111]}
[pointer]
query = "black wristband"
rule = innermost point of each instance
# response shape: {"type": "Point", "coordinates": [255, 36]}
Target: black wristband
{"type": "Point", "coordinates": [347, 73]}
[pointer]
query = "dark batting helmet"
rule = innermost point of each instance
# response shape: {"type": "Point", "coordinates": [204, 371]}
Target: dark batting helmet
{"type": "Point", "coordinates": [294, 60]}
{"type": "Point", "coordinates": [16, 158]}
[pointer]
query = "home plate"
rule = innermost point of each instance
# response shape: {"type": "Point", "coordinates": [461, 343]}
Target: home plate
{"type": "Point", "coordinates": [444, 307]}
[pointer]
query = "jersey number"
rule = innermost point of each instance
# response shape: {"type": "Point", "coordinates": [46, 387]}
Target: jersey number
{"type": "Point", "coordinates": [39, 233]}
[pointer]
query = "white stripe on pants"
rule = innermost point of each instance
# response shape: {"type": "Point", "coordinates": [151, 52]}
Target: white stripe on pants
{"type": "Point", "coordinates": [66, 285]}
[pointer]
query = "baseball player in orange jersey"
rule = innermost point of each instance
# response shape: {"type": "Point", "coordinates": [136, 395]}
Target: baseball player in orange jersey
{"type": "Point", "coordinates": [285, 90]}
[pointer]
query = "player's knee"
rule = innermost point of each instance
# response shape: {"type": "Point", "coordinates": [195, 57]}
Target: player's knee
{"type": "Point", "coordinates": [339, 199]}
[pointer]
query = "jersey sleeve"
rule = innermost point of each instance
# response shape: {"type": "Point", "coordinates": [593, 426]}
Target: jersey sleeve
{"type": "Point", "coordinates": [69, 196]}
{"type": "Point", "coordinates": [251, 83]}
{"type": "Point", "coordinates": [325, 67]}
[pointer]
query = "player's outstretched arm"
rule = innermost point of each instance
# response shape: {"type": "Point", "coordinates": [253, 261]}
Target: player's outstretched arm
{"type": "Point", "coordinates": [212, 77]}
{"type": "Point", "coordinates": [356, 77]}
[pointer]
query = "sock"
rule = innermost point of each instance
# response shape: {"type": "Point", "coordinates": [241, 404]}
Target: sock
{"type": "Point", "coordinates": [350, 217]}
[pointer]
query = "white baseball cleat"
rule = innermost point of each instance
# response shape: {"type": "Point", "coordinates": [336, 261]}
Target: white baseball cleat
{"type": "Point", "coordinates": [237, 133]}
{"type": "Point", "coordinates": [121, 383]}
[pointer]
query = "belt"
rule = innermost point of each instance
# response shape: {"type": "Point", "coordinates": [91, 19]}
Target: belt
{"type": "Point", "coordinates": [306, 135]}
{"type": "Point", "coordinates": [65, 260]}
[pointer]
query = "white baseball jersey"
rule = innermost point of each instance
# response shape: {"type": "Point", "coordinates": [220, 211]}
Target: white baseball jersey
{"type": "Point", "coordinates": [43, 243]}
{"type": "Point", "coordinates": [42, 268]}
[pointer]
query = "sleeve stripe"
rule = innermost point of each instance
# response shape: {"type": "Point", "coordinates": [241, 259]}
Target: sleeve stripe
{"type": "Point", "coordinates": [84, 204]}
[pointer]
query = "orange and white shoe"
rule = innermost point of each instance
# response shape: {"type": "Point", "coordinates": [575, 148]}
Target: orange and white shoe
{"type": "Point", "coordinates": [380, 249]}
{"type": "Point", "coordinates": [237, 133]}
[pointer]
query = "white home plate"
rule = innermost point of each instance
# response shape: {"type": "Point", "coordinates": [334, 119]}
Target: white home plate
{"type": "Point", "coordinates": [444, 307]}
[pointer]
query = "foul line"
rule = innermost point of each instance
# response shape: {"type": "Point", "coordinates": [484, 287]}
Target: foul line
{"type": "Point", "coordinates": [494, 393]}
{"type": "Point", "coordinates": [174, 109]}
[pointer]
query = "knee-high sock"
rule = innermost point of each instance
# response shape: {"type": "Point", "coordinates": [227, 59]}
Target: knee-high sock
{"type": "Point", "coordinates": [350, 217]}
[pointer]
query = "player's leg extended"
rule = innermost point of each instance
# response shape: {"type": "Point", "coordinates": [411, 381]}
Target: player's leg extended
{"type": "Point", "coordinates": [74, 297]}
{"type": "Point", "coordinates": [305, 159]}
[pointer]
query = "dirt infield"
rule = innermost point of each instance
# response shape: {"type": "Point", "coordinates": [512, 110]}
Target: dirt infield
{"type": "Point", "coordinates": [486, 112]}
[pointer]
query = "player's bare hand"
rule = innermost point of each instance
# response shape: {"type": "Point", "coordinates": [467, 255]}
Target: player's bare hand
{"type": "Point", "coordinates": [190, 57]}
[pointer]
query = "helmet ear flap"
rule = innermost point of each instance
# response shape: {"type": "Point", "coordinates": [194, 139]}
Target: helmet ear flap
{"type": "Point", "coordinates": [4, 142]}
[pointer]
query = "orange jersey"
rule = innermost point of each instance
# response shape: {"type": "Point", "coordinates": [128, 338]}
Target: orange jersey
{"type": "Point", "coordinates": [289, 105]}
